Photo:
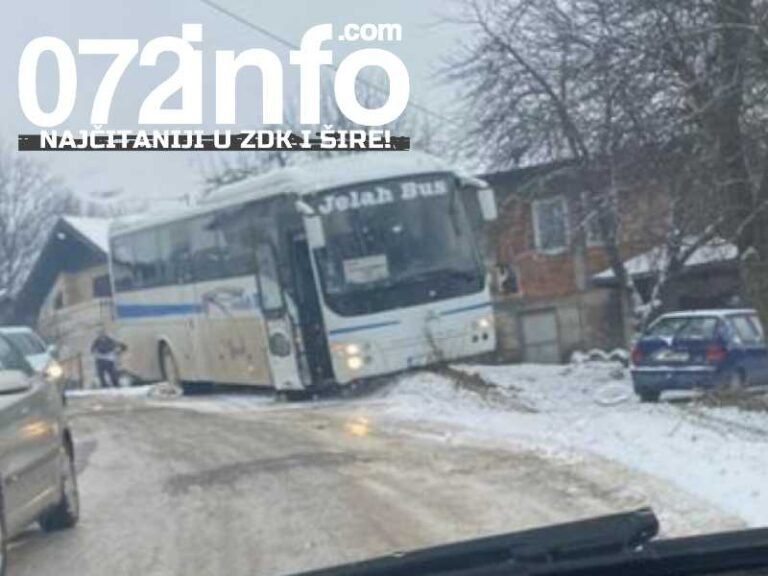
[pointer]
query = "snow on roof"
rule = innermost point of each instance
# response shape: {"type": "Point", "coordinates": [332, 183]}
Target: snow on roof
{"type": "Point", "coordinates": [717, 250]}
{"type": "Point", "coordinates": [718, 312]}
{"type": "Point", "coordinates": [94, 229]}
{"type": "Point", "coordinates": [334, 173]}
{"type": "Point", "coordinates": [304, 179]}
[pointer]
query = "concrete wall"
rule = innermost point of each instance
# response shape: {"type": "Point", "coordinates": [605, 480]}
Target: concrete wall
{"type": "Point", "coordinates": [591, 319]}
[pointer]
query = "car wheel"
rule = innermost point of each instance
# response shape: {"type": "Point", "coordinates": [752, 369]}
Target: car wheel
{"type": "Point", "coordinates": [170, 368]}
{"type": "Point", "coordinates": [66, 512]}
{"type": "Point", "coordinates": [649, 396]}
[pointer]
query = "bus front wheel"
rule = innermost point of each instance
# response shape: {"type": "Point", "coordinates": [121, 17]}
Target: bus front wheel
{"type": "Point", "coordinates": [170, 368]}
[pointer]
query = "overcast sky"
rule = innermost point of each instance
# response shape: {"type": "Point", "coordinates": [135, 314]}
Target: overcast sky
{"type": "Point", "coordinates": [156, 174]}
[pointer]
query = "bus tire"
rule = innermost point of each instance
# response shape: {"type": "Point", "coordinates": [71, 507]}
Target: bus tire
{"type": "Point", "coordinates": [170, 368]}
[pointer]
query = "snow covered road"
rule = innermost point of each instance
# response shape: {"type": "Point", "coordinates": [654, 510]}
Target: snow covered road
{"type": "Point", "coordinates": [238, 484]}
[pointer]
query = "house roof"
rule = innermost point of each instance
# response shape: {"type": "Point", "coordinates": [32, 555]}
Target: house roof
{"type": "Point", "coordinates": [73, 244]}
{"type": "Point", "coordinates": [719, 312]}
{"type": "Point", "coordinates": [95, 230]}
{"type": "Point", "coordinates": [648, 263]}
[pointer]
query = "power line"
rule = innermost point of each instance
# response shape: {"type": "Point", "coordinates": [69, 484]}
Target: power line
{"type": "Point", "coordinates": [288, 44]}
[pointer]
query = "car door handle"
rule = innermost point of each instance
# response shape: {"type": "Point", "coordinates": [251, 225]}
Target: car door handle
{"type": "Point", "coordinates": [24, 410]}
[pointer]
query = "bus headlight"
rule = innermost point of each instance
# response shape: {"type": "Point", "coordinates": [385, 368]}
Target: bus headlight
{"type": "Point", "coordinates": [484, 323]}
{"type": "Point", "coordinates": [346, 350]}
{"type": "Point", "coordinates": [279, 345]}
{"type": "Point", "coordinates": [53, 371]}
{"type": "Point", "coordinates": [355, 363]}
{"type": "Point", "coordinates": [352, 354]}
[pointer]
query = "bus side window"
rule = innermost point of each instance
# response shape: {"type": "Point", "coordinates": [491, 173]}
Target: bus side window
{"type": "Point", "coordinates": [207, 257]}
{"type": "Point", "coordinates": [122, 264]}
{"type": "Point", "coordinates": [237, 244]}
{"type": "Point", "coordinates": [270, 293]}
{"type": "Point", "coordinates": [147, 263]}
{"type": "Point", "coordinates": [176, 254]}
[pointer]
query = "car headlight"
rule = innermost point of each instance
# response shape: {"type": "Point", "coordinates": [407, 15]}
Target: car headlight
{"type": "Point", "coordinates": [53, 371]}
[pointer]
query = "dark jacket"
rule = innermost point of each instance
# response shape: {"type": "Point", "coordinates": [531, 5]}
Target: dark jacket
{"type": "Point", "coordinates": [106, 348]}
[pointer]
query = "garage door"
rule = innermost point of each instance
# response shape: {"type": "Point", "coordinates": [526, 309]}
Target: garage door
{"type": "Point", "coordinates": [540, 337]}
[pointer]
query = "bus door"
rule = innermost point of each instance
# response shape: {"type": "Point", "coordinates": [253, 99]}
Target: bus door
{"type": "Point", "coordinates": [281, 348]}
{"type": "Point", "coordinates": [310, 314]}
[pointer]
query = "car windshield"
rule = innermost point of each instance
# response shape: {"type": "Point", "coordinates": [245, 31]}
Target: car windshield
{"type": "Point", "coordinates": [11, 358]}
{"type": "Point", "coordinates": [27, 343]}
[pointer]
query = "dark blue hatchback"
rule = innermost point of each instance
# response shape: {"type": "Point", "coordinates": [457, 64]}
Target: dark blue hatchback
{"type": "Point", "coordinates": [701, 349]}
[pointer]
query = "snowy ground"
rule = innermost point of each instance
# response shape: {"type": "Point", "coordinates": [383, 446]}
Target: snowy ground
{"type": "Point", "coordinates": [564, 412]}
{"type": "Point", "coordinates": [235, 483]}
{"type": "Point", "coordinates": [719, 454]}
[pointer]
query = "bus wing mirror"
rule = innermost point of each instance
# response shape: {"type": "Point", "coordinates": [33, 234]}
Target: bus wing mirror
{"type": "Point", "coordinates": [487, 200]}
{"type": "Point", "coordinates": [315, 232]}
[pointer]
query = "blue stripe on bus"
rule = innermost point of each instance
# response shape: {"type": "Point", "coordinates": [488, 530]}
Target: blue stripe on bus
{"type": "Point", "coordinates": [363, 327]}
{"type": "Point", "coordinates": [155, 310]}
{"type": "Point", "coordinates": [466, 308]}
{"type": "Point", "coordinates": [158, 310]}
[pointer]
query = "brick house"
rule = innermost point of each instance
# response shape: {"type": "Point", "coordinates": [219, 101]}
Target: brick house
{"type": "Point", "coordinates": [547, 251]}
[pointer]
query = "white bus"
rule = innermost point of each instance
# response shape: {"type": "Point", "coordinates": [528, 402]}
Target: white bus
{"type": "Point", "coordinates": [307, 276]}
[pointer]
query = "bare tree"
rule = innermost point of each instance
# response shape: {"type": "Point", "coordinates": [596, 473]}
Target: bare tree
{"type": "Point", "coordinates": [30, 201]}
{"type": "Point", "coordinates": [718, 55]}
{"type": "Point", "coordinates": [636, 94]}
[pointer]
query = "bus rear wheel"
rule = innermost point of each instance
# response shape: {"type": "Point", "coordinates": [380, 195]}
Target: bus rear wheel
{"type": "Point", "coordinates": [170, 368]}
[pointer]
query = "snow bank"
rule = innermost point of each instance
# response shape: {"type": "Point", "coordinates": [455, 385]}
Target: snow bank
{"type": "Point", "coordinates": [134, 391]}
{"type": "Point", "coordinates": [718, 454]}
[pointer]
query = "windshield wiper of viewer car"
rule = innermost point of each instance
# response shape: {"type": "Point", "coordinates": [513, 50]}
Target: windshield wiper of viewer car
{"type": "Point", "coordinates": [621, 544]}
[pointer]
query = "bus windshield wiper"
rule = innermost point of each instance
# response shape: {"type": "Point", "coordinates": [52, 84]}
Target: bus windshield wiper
{"type": "Point", "coordinates": [442, 274]}
{"type": "Point", "coordinates": [621, 544]}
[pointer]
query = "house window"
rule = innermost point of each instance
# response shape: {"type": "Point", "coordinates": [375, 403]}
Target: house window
{"type": "Point", "coordinates": [101, 287]}
{"type": "Point", "coordinates": [550, 223]}
{"type": "Point", "coordinates": [58, 301]}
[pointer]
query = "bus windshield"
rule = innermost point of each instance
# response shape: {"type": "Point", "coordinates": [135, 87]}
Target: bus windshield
{"type": "Point", "coordinates": [396, 243]}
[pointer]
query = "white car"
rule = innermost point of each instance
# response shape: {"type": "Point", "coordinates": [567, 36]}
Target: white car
{"type": "Point", "coordinates": [39, 355]}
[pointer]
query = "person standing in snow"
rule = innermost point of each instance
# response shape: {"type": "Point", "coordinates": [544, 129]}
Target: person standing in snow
{"type": "Point", "coordinates": [105, 350]}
